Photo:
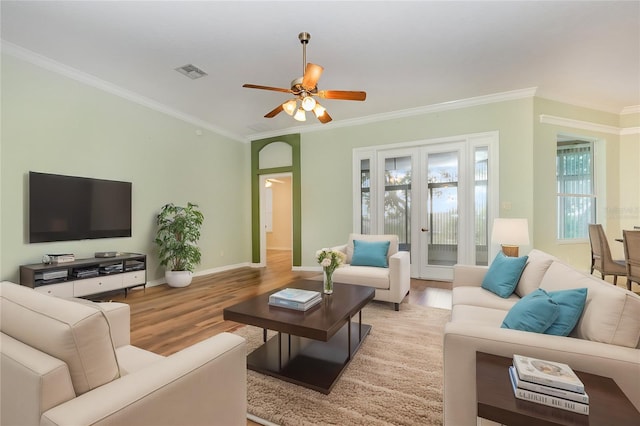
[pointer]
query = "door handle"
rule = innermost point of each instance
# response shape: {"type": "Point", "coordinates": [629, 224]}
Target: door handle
{"type": "Point", "coordinates": [424, 230]}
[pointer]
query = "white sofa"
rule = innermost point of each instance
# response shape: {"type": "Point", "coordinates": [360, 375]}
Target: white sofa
{"type": "Point", "coordinates": [70, 362]}
{"type": "Point", "coordinates": [392, 284]}
{"type": "Point", "coordinates": [605, 341]}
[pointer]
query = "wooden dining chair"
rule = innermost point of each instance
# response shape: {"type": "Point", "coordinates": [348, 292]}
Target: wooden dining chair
{"type": "Point", "coordinates": [601, 259]}
{"type": "Point", "coordinates": [631, 241]}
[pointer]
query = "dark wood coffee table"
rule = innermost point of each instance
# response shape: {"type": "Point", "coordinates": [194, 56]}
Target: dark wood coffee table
{"type": "Point", "coordinates": [317, 345]}
{"type": "Point", "coordinates": [608, 405]}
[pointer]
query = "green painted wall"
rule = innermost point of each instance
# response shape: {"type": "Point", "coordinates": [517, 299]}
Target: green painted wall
{"type": "Point", "coordinates": [629, 173]}
{"type": "Point", "coordinates": [327, 163]}
{"type": "Point", "coordinates": [54, 124]}
{"type": "Point", "coordinates": [609, 152]}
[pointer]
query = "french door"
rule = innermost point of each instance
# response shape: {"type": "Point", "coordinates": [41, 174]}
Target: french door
{"type": "Point", "coordinates": [434, 196]}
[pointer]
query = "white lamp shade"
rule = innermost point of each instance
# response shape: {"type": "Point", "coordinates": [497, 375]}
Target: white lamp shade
{"type": "Point", "coordinates": [290, 106]}
{"type": "Point", "coordinates": [510, 232]}
{"type": "Point", "coordinates": [300, 115]}
{"type": "Point", "coordinates": [308, 103]}
{"type": "Point", "coordinates": [318, 110]}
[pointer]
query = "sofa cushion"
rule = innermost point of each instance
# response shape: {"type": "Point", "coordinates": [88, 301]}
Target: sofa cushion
{"type": "Point", "coordinates": [537, 264]}
{"type": "Point", "coordinates": [393, 245]}
{"type": "Point", "coordinates": [503, 274]}
{"type": "Point", "coordinates": [535, 313]}
{"type": "Point", "coordinates": [75, 333]}
{"type": "Point", "coordinates": [571, 303]}
{"type": "Point", "coordinates": [370, 253]}
{"type": "Point", "coordinates": [362, 275]}
{"type": "Point", "coordinates": [477, 296]}
{"type": "Point", "coordinates": [477, 315]}
{"type": "Point", "coordinates": [32, 382]}
{"type": "Point", "coordinates": [611, 314]}
{"type": "Point", "coordinates": [132, 359]}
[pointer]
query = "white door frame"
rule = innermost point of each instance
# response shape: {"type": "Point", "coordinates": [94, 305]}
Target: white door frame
{"type": "Point", "coordinates": [263, 213]}
{"type": "Point", "coordinates": [466, 225]}
{"type": "Point", "coordinates": [424, 269]}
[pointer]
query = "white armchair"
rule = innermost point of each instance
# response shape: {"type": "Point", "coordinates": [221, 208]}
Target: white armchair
{"type": "Point", "coordinates": [70, 362]}
{"type": "Point", "coordinates": [392, 284]}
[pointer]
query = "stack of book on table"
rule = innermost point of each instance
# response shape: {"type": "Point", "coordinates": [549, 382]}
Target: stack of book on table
{"type": "Point", "coordinates": [294, 298]}
{"type": "Point", "coordinates": [548, 383]}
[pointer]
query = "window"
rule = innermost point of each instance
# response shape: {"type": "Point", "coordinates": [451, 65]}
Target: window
{"type": "Point", "coordinates": [575, 187]}
{"type": "Point", "coordinates": [365, 196]}
{"type": "Point", "coordinates": [397, 199]}
{"type": "Point", "coordinates": [481, 177]}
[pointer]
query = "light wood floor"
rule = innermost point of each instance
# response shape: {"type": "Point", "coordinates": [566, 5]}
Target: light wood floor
{"type": "Point", "coordinates": [165, 320]}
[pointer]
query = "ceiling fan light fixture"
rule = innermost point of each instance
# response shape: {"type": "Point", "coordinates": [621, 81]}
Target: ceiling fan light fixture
{"type": "Point", "coordinates": [300, 115]}
{"type": "Point", "coordinates": [319, 110]}
{"type": "Point", "coordinates": [290, 106]}
{"type": "Point", "coordinates": [308, 103]}
{"type": "Point", "coordinates": [305, 89]}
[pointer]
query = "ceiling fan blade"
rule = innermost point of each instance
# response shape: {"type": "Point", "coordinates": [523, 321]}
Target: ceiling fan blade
{"type": "Point", "coordinates": [275, 89]}
{"type": "Point", "coordinates": [325, 118]}
{"type": "Point", "coordinates": [277, 110]}
{"type": "Point", "coordinates": [311, 76]}
{"type": "Point", "coordinates": [345, 95]}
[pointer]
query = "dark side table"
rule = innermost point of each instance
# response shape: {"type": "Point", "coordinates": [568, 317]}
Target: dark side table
{"type": "Point", "coordinates": [608, 405]}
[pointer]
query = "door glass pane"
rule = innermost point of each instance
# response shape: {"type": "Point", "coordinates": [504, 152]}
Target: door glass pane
{"type": "Point", "coordinates": [442, 208]}
{"type": "Point", "coordinates": [397, 199]}
{"type": "Point", "coordinates": [365, 197]}
{"type": "Point", "coordinates": [481, 177]}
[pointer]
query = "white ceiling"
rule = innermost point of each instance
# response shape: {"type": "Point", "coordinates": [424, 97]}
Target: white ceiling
{"type": "Point", "coordinates": [403, 54]}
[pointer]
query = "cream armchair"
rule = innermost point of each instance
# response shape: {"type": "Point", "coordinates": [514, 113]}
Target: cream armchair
{"type": "Point", "coordinates": [392, 284]}
{"type": "Point", "coordinates": [68, 362]}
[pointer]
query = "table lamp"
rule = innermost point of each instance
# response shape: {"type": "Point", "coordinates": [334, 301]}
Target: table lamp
{"type": "Point", "coordinates": [510, 233]}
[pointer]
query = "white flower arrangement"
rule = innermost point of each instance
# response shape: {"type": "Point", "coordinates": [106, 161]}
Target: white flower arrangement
{"type": "Point", "coordinates": [330, 259]}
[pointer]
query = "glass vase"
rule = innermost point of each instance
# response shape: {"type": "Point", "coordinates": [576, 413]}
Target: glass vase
{"type": "Point", "coordinates": [328, 282]}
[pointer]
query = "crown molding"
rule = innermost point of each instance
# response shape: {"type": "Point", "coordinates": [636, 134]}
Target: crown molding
{"type": "Point", "coordinates": [587, 125]}
{"type": "Point", "coordinates": [410, 112]}
{"type": "Point", "coordinates": [630, 131]}
{"type": "Point", "coordinates": [633, 109]}
{"type": "Point", "coordinates": [93, 81]}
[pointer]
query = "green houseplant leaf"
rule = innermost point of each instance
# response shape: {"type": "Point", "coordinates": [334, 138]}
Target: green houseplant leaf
{"type": "Point", "coordinates": [177, 235]}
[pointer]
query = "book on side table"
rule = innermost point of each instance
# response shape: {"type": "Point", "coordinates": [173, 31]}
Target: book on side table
{"type": "Point", "coordinates": [548, 383]}
{"type": "Point", "coordinates": [294, 298]}
{"type": "Point", "coordinates": [547, 373]}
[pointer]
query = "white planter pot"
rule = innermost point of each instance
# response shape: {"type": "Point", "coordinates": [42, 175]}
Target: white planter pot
{"type": "Point", "coordinates": [178, 278]}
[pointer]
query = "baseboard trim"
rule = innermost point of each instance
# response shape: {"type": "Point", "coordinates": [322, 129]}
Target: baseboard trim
{"type": "Point", "coordinates": [225, 268]}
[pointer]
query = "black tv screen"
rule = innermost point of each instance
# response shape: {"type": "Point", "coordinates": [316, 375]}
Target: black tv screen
{"type": "Point", "coordinates": [65, 208]}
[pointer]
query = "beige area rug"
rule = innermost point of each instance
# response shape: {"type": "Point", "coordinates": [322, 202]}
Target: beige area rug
{"type": "Point", "coordinates": [394, 379]}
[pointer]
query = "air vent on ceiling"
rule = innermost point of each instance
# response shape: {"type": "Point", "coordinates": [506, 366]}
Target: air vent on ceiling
{"type": "Point", "coordinates": [191, 71]}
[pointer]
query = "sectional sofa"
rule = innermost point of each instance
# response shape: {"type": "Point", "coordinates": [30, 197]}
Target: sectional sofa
{"type": "Point", "coordinates": [605, 340]}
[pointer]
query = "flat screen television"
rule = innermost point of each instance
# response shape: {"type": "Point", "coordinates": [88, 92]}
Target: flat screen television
{"type": "Point", "coordinates": [66, 208]}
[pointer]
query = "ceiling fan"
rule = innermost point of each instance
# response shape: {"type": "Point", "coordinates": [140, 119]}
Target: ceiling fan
{"type": "Point", "coordinates": [305, 89]}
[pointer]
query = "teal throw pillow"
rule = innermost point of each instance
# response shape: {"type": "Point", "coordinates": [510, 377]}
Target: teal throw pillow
{"type": "Point", "coordinates": [535, 313]}
{"type": "Point", "coordinates": [571, 303]}
{"type": "Point", "coordinates": [370, 253]}
{"type": "Point", "coordinates": [503, 274]}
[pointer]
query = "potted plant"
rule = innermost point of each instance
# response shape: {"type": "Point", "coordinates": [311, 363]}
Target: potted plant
{"type": "Point", "coordinates": [177, 235]}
